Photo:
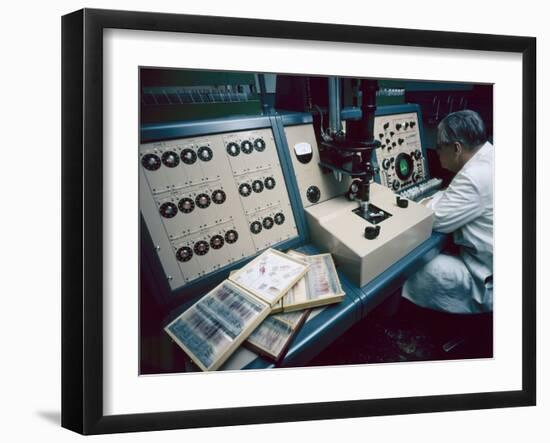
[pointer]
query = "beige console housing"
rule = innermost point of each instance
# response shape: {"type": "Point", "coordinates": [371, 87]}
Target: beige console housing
{"type": "Point", "coordinates": [336, 228]}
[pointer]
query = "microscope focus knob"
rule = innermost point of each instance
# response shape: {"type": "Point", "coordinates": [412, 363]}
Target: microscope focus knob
{"type": "Point", "coordinates": [371, 232]}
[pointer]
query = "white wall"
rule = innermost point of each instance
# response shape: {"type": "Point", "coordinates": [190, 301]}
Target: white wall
{"type": "Point", "coordinates": [30, 184]}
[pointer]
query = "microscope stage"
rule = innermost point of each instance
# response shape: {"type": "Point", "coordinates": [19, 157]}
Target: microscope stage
{"type": "Point", "coordinates": [336, 226]}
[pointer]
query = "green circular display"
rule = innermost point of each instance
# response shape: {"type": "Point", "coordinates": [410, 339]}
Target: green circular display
{"type": "Point", "coordinates": [404, 167]}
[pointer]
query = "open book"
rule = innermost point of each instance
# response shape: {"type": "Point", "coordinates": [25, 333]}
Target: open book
{"type": "Point", "coordinates": [214, 327]}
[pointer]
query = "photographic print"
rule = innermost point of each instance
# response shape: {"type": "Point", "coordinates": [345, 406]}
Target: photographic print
{"type": "Point", "coordinates": [381, 178]}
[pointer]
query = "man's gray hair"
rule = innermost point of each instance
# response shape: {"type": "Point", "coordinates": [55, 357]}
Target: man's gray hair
{"type": "Point", "coordinates": [464, 127]}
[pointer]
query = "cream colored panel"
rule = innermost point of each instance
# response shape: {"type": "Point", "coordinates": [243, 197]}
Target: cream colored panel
{"type": "Point", "coordinates": [310, 174]}
{"type": "Point", "coordinates": [190, 200]}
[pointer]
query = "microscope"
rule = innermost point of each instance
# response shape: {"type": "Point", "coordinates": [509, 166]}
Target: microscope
{"type": "Point", "coordinates": [370, 227]}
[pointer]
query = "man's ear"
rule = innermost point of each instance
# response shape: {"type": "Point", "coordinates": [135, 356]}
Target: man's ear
{"type": "Point", "coordinates": [457, 148]}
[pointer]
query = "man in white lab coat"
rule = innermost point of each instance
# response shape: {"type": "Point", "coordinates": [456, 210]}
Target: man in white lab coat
{"type": "Point", "coordinates": [462, 283]}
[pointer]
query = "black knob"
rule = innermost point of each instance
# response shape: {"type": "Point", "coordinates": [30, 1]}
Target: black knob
{"type": "Point", "coordinates": [395, 185]}
{"type": "Point", "coordinates": [279, 218]}
{"type": "Point", "coordinates": [269, 182]}
{"type": "Point", "coordinates": [371, 232]}
{"type": "Point", "coordinates": [401, 202]}
{"type": "Point", "coordinates": [259, 144]}
{"type": "Point", "coordinates": [392, 133]}
{"type": "Point", "coordinates": [168, 210]}
{"type": "Point", "coordinates": [201, 247]}
{"type": "Point", "coordinates": [184, 253]}
{"type": "Point", "coordinates": [218, 196]}
{"type": "Point", "coordinates": [412, 124]}
{"type": "Point", "coordinates": [170, 159]}
{"type": "Point", "coordinates": [202, 201]}
{"type": "Point", "coordinates": [386, 126]}
{"type": "Point", "coordinates": [398, 126]}
{"type": "Point", "coordinates": [245, 189]}
{"type": "Point", "coordinates": [216, 242]}
{"type": "Point", "coordinates": [231, 236]}
{"type": "Point", "coordinates": [400, 141]}
{"type": "Point", "coordinates": [313, 194]}
{"type": "Point", "coordinates": [380, 136]}
{"type": "Point", "coordinates": [186, 205]}
{"type": "Point", "coordinates": [205, 153]}
{"type": "Point", "coordinates": [188, 156]}
{"type": "Point", "coordinates": [417, 154]}
{"type": "Point", "coordinates": [256, 227]}
{"type": "Point", "coordinates": [151, 162]}
{"type": "Point", "coordinates": [267, 223]}
{"type": "Point", "coordinates": [406, 125]}
{"type": "Point", "coordinates": [233, 149]}
{"type": "Point", "coordinates": [386, 163]}
{"type": "Point", "coordinates": [257, 186]}
{"type": "Point", "coordinates": [247, 147]}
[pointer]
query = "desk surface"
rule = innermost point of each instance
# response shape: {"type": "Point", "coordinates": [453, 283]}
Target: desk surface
{"type": "Point", "coordinates": [326, 324]}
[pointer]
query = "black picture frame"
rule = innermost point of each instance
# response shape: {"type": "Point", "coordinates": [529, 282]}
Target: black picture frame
{"type": "Point", "coordinates": [82, 218]}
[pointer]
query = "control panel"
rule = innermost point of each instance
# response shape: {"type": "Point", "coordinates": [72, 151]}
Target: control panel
{"type": "Point", "coordinates": [211, 200]}
{"type": "Point", "coordinates": [400, 157]}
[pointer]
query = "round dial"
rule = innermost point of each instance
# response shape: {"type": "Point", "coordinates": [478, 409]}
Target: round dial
{"type": "Point", "coordinates": [395, 185]}
{"type": "Point", "coordinates": [216, 242]}
{"type": "Point", "coordinates": [267, 222]}
{"type": "Point", "coordinates": [256, 227]}
{"type": "Point", "coordinates": [205, 153]}
{"type": "Point", "coordinates": [257, 186]}
{"type": "Point", "coordinates": [403, 166]}
{"type": "Point", "coordinates": [259, 144]}
{"type": "Point", "coordinates": [186, 205]}
{"type": "Point", "coordinates": [202, 201]}
{"type": "Point", "coordinates": [170, 159]}
{"type": "Point", "coordinates": [188, 156]}
{"type": "Point", "coordinates": [201, 247]}
{"type": "Point", "coordinates": [218, 196]}
{"type": "Point", "coordinates": [269, 182]}
{"type": "Point", "coordinates": [168, 210]}
{"type": "Point", "coordinates": [231, 236]}
{"type": "Point", "coordinates": [151, 162]}
{"type": "Point", "coordinates": [184, 253]}
{"type": "Point", "coordinates": [233, 149]}
{"type": "Point", "coordinates": [313, 194]}
{"type": "Point", "coordinates": [245, 189]}
{"type": "Point", "coordinates": [417, 154]}
{"type": "Point", "coordinates": [247, 147]}
{"type": "Point", "coordinates": [386, 163]}
{"type": "Point", "coordinates": [279, 218]}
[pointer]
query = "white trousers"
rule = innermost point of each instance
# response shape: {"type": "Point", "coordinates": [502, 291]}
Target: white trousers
{"type": "Point", "coordinates": [443, 284]}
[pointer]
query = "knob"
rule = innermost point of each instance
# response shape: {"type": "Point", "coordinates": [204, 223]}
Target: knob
{"type": "Point", "coordinates": [247, 147]}
{"type": "Point", "coordinates": [151, 162]}
{"type": "Point", "coordinates": [257, 186]}
{"type": "Point", "coordinates": [168, 210]}
{"type": "Point", "coordinates": [392, 133]}
{"type": "Point", "coordinates": [201, 247]}
{"type": "Point", "coordinates": [170, 159]}
{"type": "Point", "coordinates": [400, 141]}
{"type": "Point", "coordinates": [412, 124]}
{"type": "Point", "coordinates": [202, 201]}
{"type": "Point", "coordinates": [395, 185]}
{"type": "Point", "coordinates": [245, 189]}
{"type": "Point", "coordinates": [380, 136]}
{"type": "Point", "coordinates": [267, 223]}
{"type": "Point", "coordinates": [231, 236]}
{"type": "Point", "coordinates": [184, 254]}
{"type": "Point", "coordinates": [218, 196]}
{"type": "Point", "coordinates": [216, 242]}
{"type": "Point", "coordinates": [415, 177]}
{"type": "Point", "coordinates": [279, 218]}
{"type": "Point", "coordinates": [417, 154]}
{"type": "Point", "coordinates": [269, 182]}
{"type": "Point", "coordinates": [259, 144]}
{"type": "Point", "coordinates": [233, 149]}
{"type": "Point", "coordinates": [401, 202]}
{"type": "Point", "coordinates": [188, 156]}
{"type": "Point", "coordinates": [205, 153]}
{"type": "Point", "coordinates": [386, 125]}
{"type": "Point", "coordinates": [256, 227]}
{"type": "Point", "coordinates": [186, 205]}
{"type": "Point", "coordinates": [313, 194]}
{"type": "Point", "coordinates": [398, 126]}
{"type": "Point", "coordinates": [386, 163]}
{"type": "Point", "coordinates": [371, 232]}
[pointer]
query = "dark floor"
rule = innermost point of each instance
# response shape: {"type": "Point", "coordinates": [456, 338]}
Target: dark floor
{"type": "Point", "coordinates": [411, 334]}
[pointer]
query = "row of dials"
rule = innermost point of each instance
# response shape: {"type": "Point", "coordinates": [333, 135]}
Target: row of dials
{"type": "Point", "coordinates": [201, 247]}
{"type": "Point", "coordinates": [171, 159]}
{"type": "Point", "coordinates": [187, 204]}
{"type": "Point", "coordinates": [267, 223]}
{"type": "Point", "coordinates": [245, 189]}
{"type": "Point", "coordinates": [246, 147]}
{"type": "Point", "coordinates": [400, 125]}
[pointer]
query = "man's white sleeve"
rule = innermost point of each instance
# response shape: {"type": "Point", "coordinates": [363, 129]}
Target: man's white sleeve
{"type": "Point", "coordinates": [459, 204]}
